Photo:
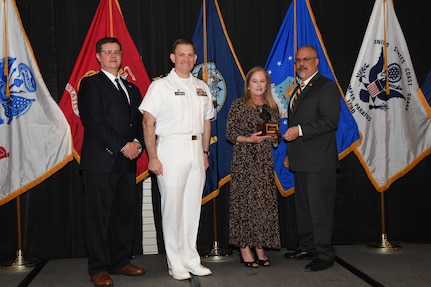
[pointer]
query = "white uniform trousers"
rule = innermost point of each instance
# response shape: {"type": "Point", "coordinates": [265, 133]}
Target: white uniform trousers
{"type": "Point", "coordinates": [181, 187]}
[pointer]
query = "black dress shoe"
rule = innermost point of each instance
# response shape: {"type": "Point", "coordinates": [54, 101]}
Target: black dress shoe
{"type": "Point", "coordinates": [318, 264]}
{"type": "Point", "coordinates": [301, 255]}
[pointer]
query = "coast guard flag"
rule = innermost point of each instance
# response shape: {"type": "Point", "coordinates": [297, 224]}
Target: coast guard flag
{"type": "Point", "coordinates": [35, 139]}
{"type": "Point", "coordinates": [384, 97]}
{"type": "Point", "coordinates": [280, 66]}
{"type": "Point", "coordinates": [107, 22]}
{"type": "Point", "coordinates": [220, 68]}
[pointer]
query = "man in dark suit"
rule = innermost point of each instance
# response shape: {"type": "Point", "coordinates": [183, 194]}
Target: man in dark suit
{"type": "Point", "coordinates": [312, 157]}
{"type": "Point", "coordinates": [112, 143]}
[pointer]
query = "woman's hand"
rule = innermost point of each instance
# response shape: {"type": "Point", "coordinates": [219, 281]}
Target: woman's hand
{"type": "Point", "coordinates": [258, 138]}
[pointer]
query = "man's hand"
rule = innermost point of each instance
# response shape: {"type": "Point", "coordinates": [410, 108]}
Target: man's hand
{"type": "Point", "coordinates": [155, 166]}
{"type": "Point", "coordinates": [291, 134]}
{"type": "Point", "coordinates": [286, 162]}
{"type": "Point", "coordinates": [131, 150]}
{"type": "Point", "coordinates": [206, 161]}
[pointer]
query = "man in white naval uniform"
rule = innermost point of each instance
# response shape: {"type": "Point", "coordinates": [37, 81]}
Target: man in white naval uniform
{"type": "Point", "coordinates": [177, 127]}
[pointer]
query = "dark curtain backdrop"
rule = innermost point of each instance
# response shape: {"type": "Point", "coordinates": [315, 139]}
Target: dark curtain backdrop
{"type": "Point", "coordinates": [52, 214]}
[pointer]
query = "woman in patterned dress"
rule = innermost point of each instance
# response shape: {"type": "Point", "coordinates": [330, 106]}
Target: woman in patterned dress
{"type": "Point", "coordinates": [253, 211]}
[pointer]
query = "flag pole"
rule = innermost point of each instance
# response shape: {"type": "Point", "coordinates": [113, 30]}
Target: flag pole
{"type": "Point", "coordinates": [384, 246]}
{"type": "Point", "coordinates": [385, 49]}
{"type": "Point", "coordinates": [216, 254]}
{"type": "Point", "coordinates": [19, 262]}
{"type": "Point", "coordinates": [6, 58]}
{"type": "Point", "coordinates": [295, 41]}
{"type": "Point", "coordinates": [204, 22]}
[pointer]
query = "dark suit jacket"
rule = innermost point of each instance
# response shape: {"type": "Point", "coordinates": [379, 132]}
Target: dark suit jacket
{"type": "Point", "coordinates": [317, 111]}
{"type": "Point", "coordinates": [109, 123]}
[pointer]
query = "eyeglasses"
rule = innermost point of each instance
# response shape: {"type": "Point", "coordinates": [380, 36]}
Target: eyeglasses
{"type": "Point", "coordinates": [305, 59]}
{"type": "Point", "coordinates": [111, 52]}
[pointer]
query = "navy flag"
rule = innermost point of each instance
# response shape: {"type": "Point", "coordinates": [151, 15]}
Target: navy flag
{"type": "Point", "coordinates": [298, 29]}
{"type": "Point", "coordinates": [218, 65]}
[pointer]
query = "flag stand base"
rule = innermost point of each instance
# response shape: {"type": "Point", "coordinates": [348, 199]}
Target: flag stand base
{"type": "Point", "coordinates": [216, 254]}
{"type": "Point", "coordinates": [384, 246]}
{"type": "Point", "coordinates": [18, 263]}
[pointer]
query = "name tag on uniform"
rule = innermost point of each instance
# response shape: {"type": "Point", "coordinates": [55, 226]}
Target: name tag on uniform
{"type": "Point", "coordinates": [180, 93]}
{"type": "Point", "coordinates": [200, 92]}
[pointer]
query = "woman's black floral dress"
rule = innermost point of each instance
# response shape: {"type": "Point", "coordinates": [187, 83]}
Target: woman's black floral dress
{"type": "Point", "coordinates": [253, 211]}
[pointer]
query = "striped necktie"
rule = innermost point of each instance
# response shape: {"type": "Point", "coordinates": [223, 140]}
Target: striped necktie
{"type": "Point", "coordinates": [295, 96]}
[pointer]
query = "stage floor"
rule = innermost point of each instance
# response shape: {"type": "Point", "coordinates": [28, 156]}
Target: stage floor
{"type": "Point", "coordinates": [356, 265]}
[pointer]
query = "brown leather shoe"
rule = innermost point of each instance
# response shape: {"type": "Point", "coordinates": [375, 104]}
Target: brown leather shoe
{"type": "Point", "coordinates": [102, 279]}
{"type": "Point", "coordinates": [130, 270]}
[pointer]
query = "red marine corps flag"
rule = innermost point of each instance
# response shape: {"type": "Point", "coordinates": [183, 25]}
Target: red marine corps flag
{"type": "Point", "coordinates": [108, 22]}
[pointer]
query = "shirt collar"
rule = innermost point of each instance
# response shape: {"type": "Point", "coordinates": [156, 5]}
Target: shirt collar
{"type": "Point", "coordinates": [110, 76]}
{"type": "Point", "coordinates": [308, 80]}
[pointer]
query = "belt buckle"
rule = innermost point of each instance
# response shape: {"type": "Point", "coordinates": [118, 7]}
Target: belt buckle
{"type": "Point", "coordinates": [194, 137]}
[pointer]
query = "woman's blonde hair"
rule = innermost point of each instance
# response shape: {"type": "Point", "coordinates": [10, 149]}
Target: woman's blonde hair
{"type": "Point", "coordinates": [268, 94]}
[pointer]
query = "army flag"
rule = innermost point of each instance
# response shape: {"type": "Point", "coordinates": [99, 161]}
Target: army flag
{"type": "Point", "coordinates": [35, 139]}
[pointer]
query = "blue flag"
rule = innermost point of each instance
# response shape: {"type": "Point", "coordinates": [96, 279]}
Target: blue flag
{"type": "Point", "coordinates": [426, 88]}
{"type": "Point", "coordinates": [280, 66]}
{"type": "Point", "coordinates": [218, 65]}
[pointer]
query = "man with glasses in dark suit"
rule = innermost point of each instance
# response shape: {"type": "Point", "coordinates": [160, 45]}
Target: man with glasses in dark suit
{"type": "Point", "coordinates": [113, 139]}
{"type": "Point", "coordinates": [312, 157]}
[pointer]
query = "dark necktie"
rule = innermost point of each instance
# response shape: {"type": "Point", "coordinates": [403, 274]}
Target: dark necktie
{"type": "Point", "coordinates": [120, 89]}
{"type": "Point", "coordinates": [296, 95]}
